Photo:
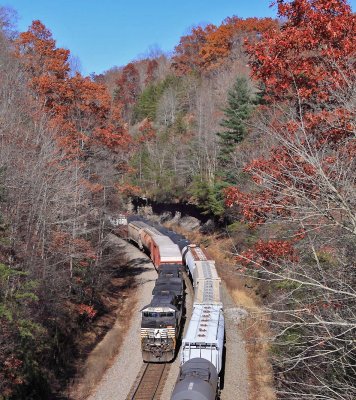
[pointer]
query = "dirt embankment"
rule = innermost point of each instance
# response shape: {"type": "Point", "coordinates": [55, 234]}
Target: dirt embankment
{"type": "Point", "coordinates": [105, 340]}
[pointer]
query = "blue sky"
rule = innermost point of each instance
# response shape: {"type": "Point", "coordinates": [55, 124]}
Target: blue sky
{"type": "Point", "coordinates": [105, 33]}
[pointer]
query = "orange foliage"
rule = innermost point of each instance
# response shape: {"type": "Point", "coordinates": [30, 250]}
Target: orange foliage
{"type": "Point", "coordinates": [219, 42]}
{"type": "Point", "coordinates": [80, 109]}
{"type": "Point", "coordinates": [128, 189]}
{"type": "Point", "coordinates": [208, 48]}
{"type": "Point", "coordinates": [84, 248]}
{"type": "Point", "coordinates": [187, 54]}
{"type": "Point", "coordinates": [93, 187]}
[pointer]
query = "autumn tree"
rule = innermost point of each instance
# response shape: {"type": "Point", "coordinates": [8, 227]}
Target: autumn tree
{"type": "Point", "coordinates": [151, 72]}
{"type": "Point", "coordinates": [305, 186]}
{"type": "Point", "coordinates": [187, 57]}
{"type": "Point", "coordinates": [42, 194]}
{"type": "Point", "coordinates": [80, 107]}
{"type": "Point", "coordinates": [61, 138]}
{"type": "Point", "coordinates": [206, 49]}
{"type": "Point", "coordinates": [127, 89]}
{"type": "Point", "coordinates": [219, 42]}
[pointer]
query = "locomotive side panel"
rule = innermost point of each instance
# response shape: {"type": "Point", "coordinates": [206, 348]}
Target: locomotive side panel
{"type": "Point", "coordinates": [161, 320]}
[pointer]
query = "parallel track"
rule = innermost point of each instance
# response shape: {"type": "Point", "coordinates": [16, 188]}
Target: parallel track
{"type": "Point", "coordinates": [149, 382]}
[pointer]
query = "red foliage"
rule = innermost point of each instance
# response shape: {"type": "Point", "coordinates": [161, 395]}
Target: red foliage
{"type": "Point", "coordinates": [302, 65]}
{"type": "Point", "coordinates": [84, 309]}
{"type": "Point", "coordinates": [63, 242]}
{"type": "Point", "coordinates": [310, 53]}
{"type": "Point", "coordinates": [267, 253]}
{"type": "Point", "coordinates": [152, 67]}
{"type": "Point", "coordinates": [43, 60]}
{"type": "Point", "coordinates": [12, 371]}
{"type": "Point", "coordinates": [146, 131]}
{"type": "Point", "coordinates": [256, 208]}
{"type": "Point", "coordinates": [128, 85]}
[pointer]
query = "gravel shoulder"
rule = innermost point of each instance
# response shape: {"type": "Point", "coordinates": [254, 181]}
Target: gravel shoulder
{"type": "Point", "coordinates": [120, 376]}
{"type": "Point", "coordinates": [235, 379]}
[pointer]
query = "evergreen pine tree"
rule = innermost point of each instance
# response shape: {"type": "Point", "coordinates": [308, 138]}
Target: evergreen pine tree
{"type": "Point", "coordinates": [237, 113]}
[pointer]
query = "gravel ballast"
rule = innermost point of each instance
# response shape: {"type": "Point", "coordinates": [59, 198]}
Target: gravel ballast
{"type": "Point", "coordinates": [119, 378]}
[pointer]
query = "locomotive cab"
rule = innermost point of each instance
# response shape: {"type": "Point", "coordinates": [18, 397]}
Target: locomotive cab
{"type": "Point", "coordinates": [159, 326]}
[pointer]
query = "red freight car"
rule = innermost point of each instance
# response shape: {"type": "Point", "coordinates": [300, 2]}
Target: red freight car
{"type": "Point", "coordinates": [161, 248]}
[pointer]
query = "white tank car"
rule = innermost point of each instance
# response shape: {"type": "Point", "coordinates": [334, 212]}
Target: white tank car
{"type": "Point", "coordinates": [205, 335]}
{"type": "Point", "coordinates": [207, 284]}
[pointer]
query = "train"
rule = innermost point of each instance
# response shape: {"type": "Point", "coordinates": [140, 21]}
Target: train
{"type": "Point", "coordinates": [201, 354]}
{"type": "Point", "coordinates": [161, 319]}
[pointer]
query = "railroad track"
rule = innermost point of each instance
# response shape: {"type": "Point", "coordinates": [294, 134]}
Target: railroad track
{"type": "Point", "coordinates": [149, 382]}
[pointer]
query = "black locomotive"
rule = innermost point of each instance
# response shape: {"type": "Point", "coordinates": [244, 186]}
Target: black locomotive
{"type": "Point", "coordinates": [161, 319]}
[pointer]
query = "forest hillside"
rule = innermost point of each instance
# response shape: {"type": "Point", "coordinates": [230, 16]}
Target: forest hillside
{"type": "Point", "coordinates": [252, 120]}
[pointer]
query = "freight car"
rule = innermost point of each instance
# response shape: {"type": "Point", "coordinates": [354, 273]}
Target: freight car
{"type": "Point", "coordinates": [202, 346]}
{"type": "Point", "coordinates": [161, 248]}
{"type": "Point", "coordinates": [207, 284]}
{"type": "Point", "coordinates": [205, 335]}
